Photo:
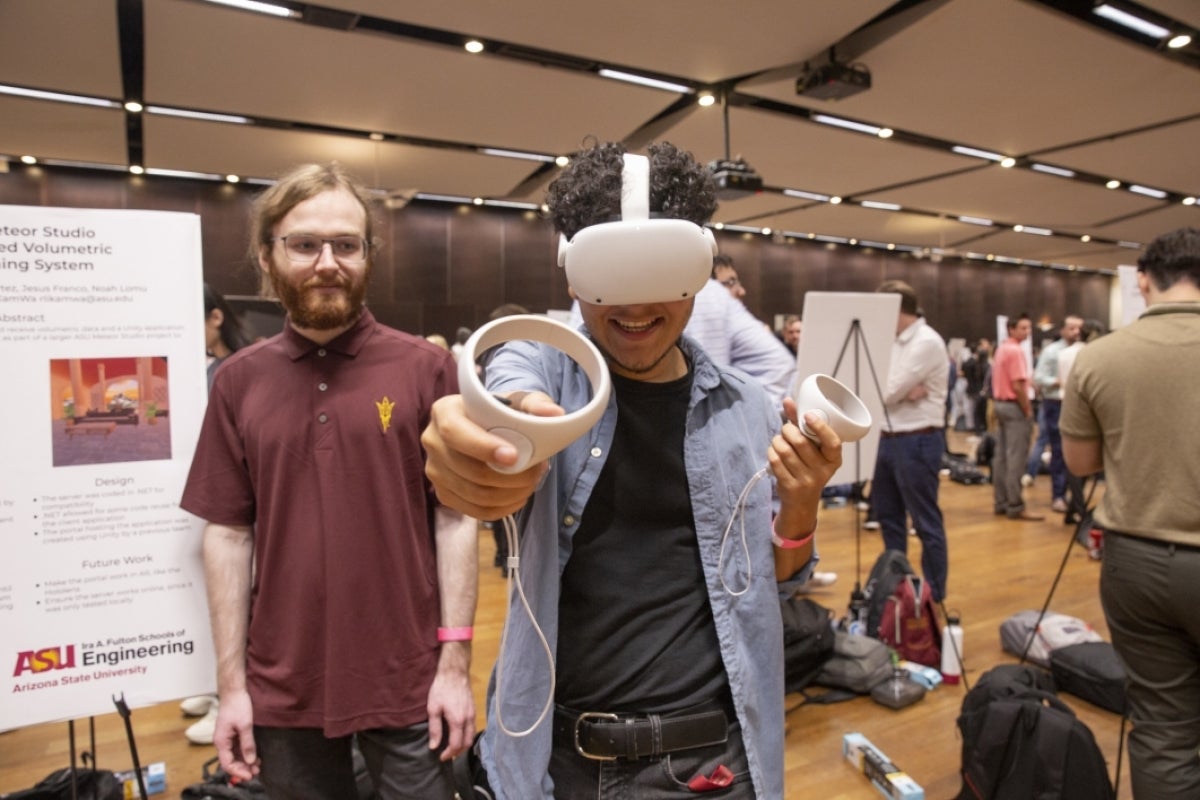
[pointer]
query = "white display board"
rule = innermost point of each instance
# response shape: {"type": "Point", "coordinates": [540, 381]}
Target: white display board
{"type": "Point", "coordinates": [858, 328]}
{"type": "Point", "coordinates": [1132, 302]}
{"type": "Point", "coordinates": [102, 342]}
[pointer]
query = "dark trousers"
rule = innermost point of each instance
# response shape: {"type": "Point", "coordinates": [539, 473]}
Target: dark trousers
{"type": "Point", "coordinates": [1151, 593]}
{"type": "Point", "coordinates": [1008, 464]}
{"type": "Point", "coordinates": [304, 764]}
{"type": "Point", "coordinates": [1049, 435]}
{"type": "Point", "coordinates": [906, 485]}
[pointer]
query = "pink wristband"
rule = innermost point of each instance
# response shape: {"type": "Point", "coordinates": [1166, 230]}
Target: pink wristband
{"type": "Point", "coordinates": [791, 544]}
{"type": "Point", "coordinates": [456, 634]}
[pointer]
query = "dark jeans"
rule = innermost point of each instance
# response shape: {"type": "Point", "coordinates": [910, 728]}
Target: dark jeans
{"type": "Point", "coordinates": [663, 778]}
{"type": "Point", "coordinates": [303, 764]}
{"type": "Point", "coordinates": [906, 485]}
{"type": "Point", "coordinates": [1151, 593]}
{"type": "Point", "coordinates": [1048, 434]}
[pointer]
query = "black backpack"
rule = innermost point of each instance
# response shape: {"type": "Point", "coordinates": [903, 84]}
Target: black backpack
{"type": "Point", "coordinates": [89, 784]}
{"type": "Point", "coordinates": [807, 641]}
{"type": "Point", "coordinates": [1020, 742]}
{"type": "Point", "coordinates": [888, 571]}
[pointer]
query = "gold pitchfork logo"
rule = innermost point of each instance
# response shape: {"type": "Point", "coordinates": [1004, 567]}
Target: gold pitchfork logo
{"type": "Point", "coordinates": [385, 407]}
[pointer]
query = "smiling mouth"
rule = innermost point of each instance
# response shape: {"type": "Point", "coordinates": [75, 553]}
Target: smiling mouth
{"type": "Point", "coordinates": [636, 327]}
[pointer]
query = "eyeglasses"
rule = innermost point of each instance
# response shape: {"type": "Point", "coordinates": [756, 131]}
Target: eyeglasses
{"type": "Point", "coordinates": [305, 248]}
{"type": "Point", "coordinates": [729, 283]}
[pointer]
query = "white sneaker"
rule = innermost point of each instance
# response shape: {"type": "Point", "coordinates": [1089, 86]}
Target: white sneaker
{"type": "Point", "coordinates": [201, 731]}
{"type": "Point", "coordinates": [871, 524]}
{"type": "Point", "coordinates": [197, 706]}
{"type": "Point", "coordinates": [1027, 480]}
{"type": "Point", "coordinates": [823, 579]}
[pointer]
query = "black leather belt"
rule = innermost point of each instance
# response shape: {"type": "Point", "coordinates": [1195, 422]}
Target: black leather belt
{"type": "Point", "coordinates": [918, 431]}
{"type": "Point", "coordinates": [604, 736]}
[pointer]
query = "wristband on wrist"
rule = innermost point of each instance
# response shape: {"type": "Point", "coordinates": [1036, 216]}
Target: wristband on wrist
{"type": "Point", "coordinates": [791, 544]}
{"type": "Point", "coordinates": [464, 634]}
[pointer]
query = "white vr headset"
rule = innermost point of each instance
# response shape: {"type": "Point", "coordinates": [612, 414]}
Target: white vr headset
{"type": "Point", "coordinates": [638, 259]}
{"type": "Point", "coordinates": [535, 438]}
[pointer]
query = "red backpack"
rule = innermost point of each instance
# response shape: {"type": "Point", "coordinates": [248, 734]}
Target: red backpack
{"type": "Point", "coordinates": [909, 623]}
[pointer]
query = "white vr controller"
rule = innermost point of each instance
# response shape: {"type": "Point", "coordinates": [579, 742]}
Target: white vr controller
{"type": "Point", "coordinates": [833, 402]}
{"type": "Point", "coordinates": [535, 438]}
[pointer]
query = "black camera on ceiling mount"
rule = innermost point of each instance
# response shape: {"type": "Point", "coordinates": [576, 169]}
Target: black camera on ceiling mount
{"type": "Point", "coordinates": [734, 179]}
{"type": "Point", "coordinates": [833, 81]}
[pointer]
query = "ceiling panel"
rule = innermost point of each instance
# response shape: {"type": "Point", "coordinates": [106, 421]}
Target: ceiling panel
{"type": "Point", "coordinates": [259, 152]}
{"type": "Point", "coordinates": [61, 44]}
{"type": "Point", "coordinates": [53, 130]}
{"type": "Point", "coordinates": [708, 40]}
{"type": "Point", "coordinates": [1159, 157]}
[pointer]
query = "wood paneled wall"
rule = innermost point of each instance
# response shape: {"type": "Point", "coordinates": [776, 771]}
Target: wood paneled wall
{"type": "Point", "coordinates": [444, 266]}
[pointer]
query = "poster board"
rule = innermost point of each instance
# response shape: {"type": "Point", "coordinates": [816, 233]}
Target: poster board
{"type": "Point", "coordinates": [1132, 302]}
{"type": "Point", "coordinates": [101, 585]}
{"type": "Point", "coordinates": [829, 319]}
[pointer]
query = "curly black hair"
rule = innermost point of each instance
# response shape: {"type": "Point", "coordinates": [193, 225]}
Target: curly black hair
{"type": "Point", "coordinates": [1173, 257]}
{"type": "Point", "coordinates": [588, 191]}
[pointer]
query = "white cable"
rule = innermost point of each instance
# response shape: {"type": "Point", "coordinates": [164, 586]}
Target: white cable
{"type": "Point", "coordinates": [739, 509]}
{"type": "Point", "coordinates": [514, 579]}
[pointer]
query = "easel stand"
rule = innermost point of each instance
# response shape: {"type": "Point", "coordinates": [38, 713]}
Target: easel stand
{"type": "Point", "coordinates": [855, 336]}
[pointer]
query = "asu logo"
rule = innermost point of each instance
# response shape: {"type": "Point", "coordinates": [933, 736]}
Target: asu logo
{"type": "Point", "coordinates": [385, 407]}
{"type": "Point", "coordinates": [44, 660]}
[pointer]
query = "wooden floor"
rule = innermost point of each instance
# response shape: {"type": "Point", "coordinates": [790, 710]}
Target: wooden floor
{"type": "Point", "coordinates": [997, 567]}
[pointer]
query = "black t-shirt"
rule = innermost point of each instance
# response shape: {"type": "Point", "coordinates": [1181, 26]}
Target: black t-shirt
{"type": "Point", "coordinates": [636, 630]}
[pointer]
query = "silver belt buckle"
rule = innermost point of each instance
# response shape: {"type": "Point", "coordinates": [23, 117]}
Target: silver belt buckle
{"type": "Point", "coordinates": [588, 716]}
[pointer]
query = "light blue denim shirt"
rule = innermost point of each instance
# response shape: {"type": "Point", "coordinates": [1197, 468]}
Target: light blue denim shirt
{"type": "Point", "coordinates": [729, 429]}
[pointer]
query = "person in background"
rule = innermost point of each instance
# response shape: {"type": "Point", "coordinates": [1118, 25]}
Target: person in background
{"type": "Point", "coordinates": [460, 339]}
{"type": "Point", "coordinates": [912, 440]}
{"type": "Point", "coordinates": [792, 326]}
{"type": "Point", "coordinates": [224, 334]}
{"type": "Point", "coordinates": [724, 273]}
{"type": "Point", "coordinates": [628, 523]}
{"type": "Point", "coordinates": [438, 340]}
{"type": "Point", "coordinates": [1012, 396]}
{"type": "Point", "coordinates": [1129, 409]}
{"type": "Point", "coordinates": [1045, 379]}
{"type": "Point", "coordinates": [341, 593]}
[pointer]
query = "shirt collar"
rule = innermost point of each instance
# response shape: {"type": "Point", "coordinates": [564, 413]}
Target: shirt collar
{"type": "Point", "coordinates": [1171, 308]}
{"type": "Point", "coordinates": [905, 336]}
{"type": "Point", "coordinates": [348, 343]}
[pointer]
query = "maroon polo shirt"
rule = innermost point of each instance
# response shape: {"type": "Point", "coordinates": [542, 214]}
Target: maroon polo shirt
{"type": "Point", "coordinates": [318, 447]}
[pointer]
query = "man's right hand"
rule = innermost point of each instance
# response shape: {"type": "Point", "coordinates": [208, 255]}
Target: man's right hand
{"type": "Point", "coordinates": [459, 454]}
{"type": "Point", "coordinates": [234, 735]}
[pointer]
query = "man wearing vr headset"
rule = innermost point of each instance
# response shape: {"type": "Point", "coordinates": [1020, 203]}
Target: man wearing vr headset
{"type": "Point", "coordinates": [664, 619]}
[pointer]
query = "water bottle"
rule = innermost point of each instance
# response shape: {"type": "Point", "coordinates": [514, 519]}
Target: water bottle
{"type": "Point", "coordinates": [952, 649]}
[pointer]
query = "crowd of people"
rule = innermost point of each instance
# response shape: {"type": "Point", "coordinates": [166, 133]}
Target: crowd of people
{"type": "Point", "coordinates": [368, 494]}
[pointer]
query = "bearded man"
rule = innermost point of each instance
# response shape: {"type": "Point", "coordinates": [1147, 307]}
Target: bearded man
{"type": "Point", "coordinates": [341, 593]}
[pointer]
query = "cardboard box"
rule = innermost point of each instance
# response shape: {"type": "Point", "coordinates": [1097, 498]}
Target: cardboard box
{"type": "Point", "coordinates": [154, 775]}
{"type": "Point", "coordinates": [883, 774]}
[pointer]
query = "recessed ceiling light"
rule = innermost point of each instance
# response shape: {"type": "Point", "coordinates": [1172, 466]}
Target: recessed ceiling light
{"type": "Point", "coordinates": [28, 160]}
{"type": "Point", "coordinates": [561, 161]}
{"type": "Point", "coordinates": [1157, 194]}
{"type": "Point", "coordinates": [1085, 238]}
{"type": "Point", "coordinates": [850, 125]}
{"type": "Point", "coordinates": [854, 241]}
{"type": "Point", "coordinates": [376, 137]}
{"type": "Point", "coordinates": [975, 152]}
{"type": "Point", "coordinates": [473, 46]}
{"type": "Point", "coordinates": [1189, 201]}
{"type": "Point", "coordinates": [136, 169]}
{"type": "Point", "coordinates": [1008, 163]}
{"type": "Point", "coordinates": [133, 107]}
{"type": "Point", "coordinates": [1113, 184]}
{"type": "Point", "coordinates": [1018, 228]}
{"type": "Point", "coordinates": [1134, 23]}
{"type": "Point", "coordinates": [259, 7]}
{"type": "Point", "coordinates": [1182, 40]}
{"type": "Point", "coordinates": [766, 231]}
{"type": "Point", "coordinates": [58, 97]}
{"type": "Point", "coordinates": [707, 99]}
{"type": "Point", "coordinates": [835, 200]}
{"type": "Point", "coordinates": [232, 178]}
{"type": "Point", "coordinates": [478, 201]}
{"type": "Point", "coordinates": [643, 80]}
{"type": "Point", "coordinates": [891, 246]}
{"type": "Point", "coordinates": [885, 133]}
{"type": "Point", "coordinates": [719, 226]}
{"type": "Point", "coordinates": [1052, 170]}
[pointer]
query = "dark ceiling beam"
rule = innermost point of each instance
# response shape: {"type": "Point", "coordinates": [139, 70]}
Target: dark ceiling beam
{"type": "Point", "coordinates": [131, 32]}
